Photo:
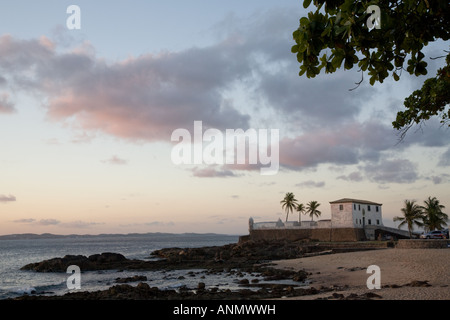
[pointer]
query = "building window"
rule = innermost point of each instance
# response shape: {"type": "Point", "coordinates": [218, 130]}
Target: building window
{"type": "Point", "coordinates": [376, 208]}
{"type": "Point", "coordinates": [356, 221]}
{"type": "Point", "coordinates": [359, 207]}
{"type": "Point", "coordinates": [369, 221]}
{"type": "Point", "coordinates": [354, 206]}
{"type": "Point", "coordinates": [368, 207]}
{"type": "Point", "coordinates": [341, 207]}
{"type": "Point", "coordinates": [378, 221]}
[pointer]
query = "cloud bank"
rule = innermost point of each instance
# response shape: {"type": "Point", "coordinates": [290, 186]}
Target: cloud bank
{"type": "Point", "coordinates": [145, 98]}
{"type": "Point", "coordinates": [78, 224]}
{"type": "Point", "coordinates": [5, 199]}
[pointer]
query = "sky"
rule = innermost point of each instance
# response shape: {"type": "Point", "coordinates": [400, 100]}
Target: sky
{"type": "Point", "coordinates": [87, 116]}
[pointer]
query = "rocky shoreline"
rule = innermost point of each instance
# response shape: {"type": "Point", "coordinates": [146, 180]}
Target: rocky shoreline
{"type": "Point", "coordinates": [252, 256]}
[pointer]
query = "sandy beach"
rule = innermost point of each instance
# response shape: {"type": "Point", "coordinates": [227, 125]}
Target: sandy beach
{"type": "Point", "coordinates": [406, 274]}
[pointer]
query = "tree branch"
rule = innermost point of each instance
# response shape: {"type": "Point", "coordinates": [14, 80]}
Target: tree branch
{"type": "Point", "coordinates": [358, 83]}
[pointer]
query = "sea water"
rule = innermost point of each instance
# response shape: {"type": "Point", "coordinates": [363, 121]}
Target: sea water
{"type": "Point", "coordinates": [14, 254]}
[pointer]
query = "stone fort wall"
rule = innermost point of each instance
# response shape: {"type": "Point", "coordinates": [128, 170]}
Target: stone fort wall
{"type": "Point", "coordinates": [422, 244]}
{"type": "Point", "coordinates": [320, 234]}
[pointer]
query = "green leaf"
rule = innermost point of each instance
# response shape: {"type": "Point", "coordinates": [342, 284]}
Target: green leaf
{"type": "Point", "coordinates": [302, 70]}
{"type": "Point", "coordinates": [326, 31]}
{"type": "Point", "coordinates": [306, 3]}
{"type": "Point", "coordinates": [304, 22]}
{"type": "Point", "coordinates": [341, 29]}
{"type": "Point", "coordinates": [337, 60]}
{"type": "Point", "coordinates": [302, 46]}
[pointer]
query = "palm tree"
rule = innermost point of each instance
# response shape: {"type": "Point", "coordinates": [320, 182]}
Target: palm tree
{"type": "Point", "coordinates": [434, 218]}
{"type": "Point", "coordinates": [289, 203]}
{"type": "Point", "coordinates": [311, 208]}
{"type": "Point", "coordinates": [412, 215]}
{"type": "Point", "coordinates": [300, 209]}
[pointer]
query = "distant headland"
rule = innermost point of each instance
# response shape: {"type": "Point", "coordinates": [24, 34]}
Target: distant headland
{"type": "Point", "coordinates": [28, 236]}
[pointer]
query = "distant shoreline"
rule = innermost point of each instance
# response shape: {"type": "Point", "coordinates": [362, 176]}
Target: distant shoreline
{"type": "Point", "coordinates": [31, 236]}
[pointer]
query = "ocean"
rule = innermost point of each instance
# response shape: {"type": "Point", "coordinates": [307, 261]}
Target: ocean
{"type": "Point", "coordinates": [16, 253]}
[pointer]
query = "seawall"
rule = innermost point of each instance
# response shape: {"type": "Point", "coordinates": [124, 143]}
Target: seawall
{"type": "Point", "coordinates": [319, 234]}
{"type": "Point", "coordinates": [422, 243]}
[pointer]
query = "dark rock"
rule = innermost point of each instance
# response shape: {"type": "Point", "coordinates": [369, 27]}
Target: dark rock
{"type": "Point", "coordinates": [236, 259]}
{"type": "Point", "coordinates": [102, 261]}
{"type": "Point", "coordinates": [417, 283]}
{"type": "Point", "coordinates": [143, 286]}
{"type": "Point", "coordinates": [107, 257]}
{"type": "Point", "coordinates": [299, 276]}
{"type": "Point", "coordinates": [336, 295]}
{"type": "Point", "coordinates": [201, 286]}
{"type": "Point", "coordinates": [131, 279]}
{"type": "Point", "coordinates": [246, 292]}
{"type": "Point", "coordinates": [355, 269]}
{"type": "Point", "coordinates": [371, 295]}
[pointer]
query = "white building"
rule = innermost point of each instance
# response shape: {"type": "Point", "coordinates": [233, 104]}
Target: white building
{"type": "Point", "coordinates": [351, 220]}
{"type": "Point", "coordinates": [354, 213]}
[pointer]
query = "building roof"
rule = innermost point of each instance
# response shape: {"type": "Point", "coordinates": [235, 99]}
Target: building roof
{"type": "Point", "coordinates": [346, 200]}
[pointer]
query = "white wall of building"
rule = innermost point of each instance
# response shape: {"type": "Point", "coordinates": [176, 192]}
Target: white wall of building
{"type": "Point", "coordinates": [342, 215]}
{"type": "Point", "coordinates": [355, 215]}
{"type": "Point", "coordinates": [345, 213]}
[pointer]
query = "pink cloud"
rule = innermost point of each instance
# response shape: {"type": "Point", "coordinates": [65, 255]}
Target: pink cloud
{"type": "Point", "coordinates": [115, 160]}
{"type": "Point", "coordinates": [6, 106]}
{"type": "Point", "coordinates": [143, 98]}
{"type": "Point", "coordinates": [6, 199]}
{"type": "Point", "coordinates": [347, 144]}
{"type": "Point", "coordinates": [211, 172]}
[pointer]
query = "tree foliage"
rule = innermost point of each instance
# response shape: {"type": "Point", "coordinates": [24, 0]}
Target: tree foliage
{"type": "Point", "coordinates": [431, 100]}
{"type": "Point", "coordinates": [434, 218]}
{"type": "Point", "coordinates": [311, 209]}
{"type": "Point", "coordinates": [300, 209]}
{"type": "Point", "coordinates": [430, 216]}
{"type": "Point", "coordinates": [412, 215]}
{"type": "Point", "coordinates": [289, 203]}
{"type": "Point", "coordinates": [336, 34]}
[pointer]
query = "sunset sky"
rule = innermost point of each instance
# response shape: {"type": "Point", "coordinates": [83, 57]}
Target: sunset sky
{"type": "Point", "coordinates": [86, 118]}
